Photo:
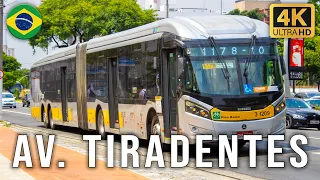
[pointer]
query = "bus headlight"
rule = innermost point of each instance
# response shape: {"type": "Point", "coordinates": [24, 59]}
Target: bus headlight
{"type": "Point", "coordinates": [197, 110]}
{"type": "Point", "coordinates": [280, 107]}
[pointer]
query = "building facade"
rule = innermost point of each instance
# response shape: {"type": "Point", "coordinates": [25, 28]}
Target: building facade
{"type": "Point", "coordinates": [188, 7]}
{"type": "Point", "coordinates": [263, 5]}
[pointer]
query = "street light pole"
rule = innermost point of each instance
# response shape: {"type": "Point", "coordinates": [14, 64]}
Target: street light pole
{"type": "Point", "coordinates": [1, 50]}
{"type": "Point", "coordinates": [221, 7]}
{"type": "Point", "coordinates": [167, 4]}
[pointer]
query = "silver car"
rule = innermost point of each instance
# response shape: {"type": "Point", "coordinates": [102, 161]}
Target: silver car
{"type": "Point", "coordinates": [8, 100]}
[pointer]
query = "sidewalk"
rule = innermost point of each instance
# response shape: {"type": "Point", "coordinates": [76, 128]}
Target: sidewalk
{"type": "Point", "coordinates": [76, 164]}
{"type": "Point", "coordinates": [7, 172]}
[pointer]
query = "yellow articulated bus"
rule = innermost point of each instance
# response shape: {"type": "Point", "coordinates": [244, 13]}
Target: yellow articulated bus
{"type": "Point", "coordinates": [198, 75]}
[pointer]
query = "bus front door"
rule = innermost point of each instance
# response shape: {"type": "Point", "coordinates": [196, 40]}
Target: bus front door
{"type": "Point", "coordinates": [113, 93]}
{"type": "Point", "coordinates": [169, 89]}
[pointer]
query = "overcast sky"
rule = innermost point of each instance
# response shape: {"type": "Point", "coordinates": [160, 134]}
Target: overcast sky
{"type": "Point", "coordinates": [24, 53]}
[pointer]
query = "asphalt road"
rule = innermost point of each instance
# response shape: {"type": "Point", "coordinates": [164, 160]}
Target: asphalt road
{"type": "Point", "coordinates": [21, 116]}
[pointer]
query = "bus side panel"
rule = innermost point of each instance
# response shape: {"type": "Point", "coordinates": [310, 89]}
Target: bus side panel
{"type": "Point", "coordinates": [35, 105]}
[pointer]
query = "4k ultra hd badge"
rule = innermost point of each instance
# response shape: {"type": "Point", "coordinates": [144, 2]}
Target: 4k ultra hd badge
{"type": "Point", "coordinates": [24, 21]}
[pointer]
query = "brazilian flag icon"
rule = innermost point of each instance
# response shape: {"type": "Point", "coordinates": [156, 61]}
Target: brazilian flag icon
{"type": "Point", "coordinates": [24, 21]}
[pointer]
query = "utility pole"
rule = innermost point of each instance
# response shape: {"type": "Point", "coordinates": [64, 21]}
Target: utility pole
{"type": "Point", "coordinates": [221, 7]}
{"type": "Point", "coordinates": [167, 5]}
{"type": "Point", "coordinates": [286, 61]}
{"type": "Point", "coordinates": [1, 51]}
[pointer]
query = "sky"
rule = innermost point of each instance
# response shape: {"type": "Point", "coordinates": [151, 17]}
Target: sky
{"type": "Point", "coordinates": [24, 52]}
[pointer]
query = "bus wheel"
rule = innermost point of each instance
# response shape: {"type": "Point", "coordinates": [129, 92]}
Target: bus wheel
{"type": "Point", "coordinates": [45, 121]}
{"type": "Point", "coordinates": [288, 122]}
{"type": "Point", "coordinates": [155, 126]}
{"type": "Point", "coordinates": [101, 128]}
{"type": "Point", "coordinates": [156, 130]}
{"type": "Point", "coordinates": [53, 127]}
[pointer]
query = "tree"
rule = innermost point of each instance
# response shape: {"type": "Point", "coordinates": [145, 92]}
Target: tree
{"type": "Point", "coordinates": [10, 68]}
{"type": "Point", "coordinates": [254, 14]}
{"type": "Point", "coordinates": [9, 80]}
{"type": "Point", "coordinates": [16, 93]}
{"type": "Point", "coordinates": [13, 72]}
{"type": "Point", "coordinates": [86, 19]}
{"type": "Point", "coordinates": [10, 63]}
{"type": "Point", "coordinates": [312, 65]}
{"type": "Point", "coordinates": [23, 77]}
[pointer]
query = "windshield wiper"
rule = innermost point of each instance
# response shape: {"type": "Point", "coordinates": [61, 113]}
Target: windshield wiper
{"type": "Point", "coordinates": [248, 62]}
{"type": "Point", "coordinates": [225, 70]}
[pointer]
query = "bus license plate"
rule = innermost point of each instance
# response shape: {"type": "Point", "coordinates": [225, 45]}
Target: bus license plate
{"type": "Point", "coordinates": [242, 133]}
{"type": "Point", "coordinates": [314, 122]}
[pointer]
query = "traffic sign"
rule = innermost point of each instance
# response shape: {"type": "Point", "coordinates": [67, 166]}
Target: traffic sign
{"type": "Point", "coordinates": [292, 20]}
{"type": "Point", "coordinates": [1, 74]}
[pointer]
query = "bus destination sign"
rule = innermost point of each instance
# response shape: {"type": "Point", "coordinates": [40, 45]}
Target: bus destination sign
{"type": "Point", "coordinates": [230, 50]}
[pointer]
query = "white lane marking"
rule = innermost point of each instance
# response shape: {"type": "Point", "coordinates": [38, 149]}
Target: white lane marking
{"type": "Point", "coordinates": [17, 112]}
{"type": "Point", "coordinates": [317, 153]}
{"type": "Point", "coordinates": [313, 138]}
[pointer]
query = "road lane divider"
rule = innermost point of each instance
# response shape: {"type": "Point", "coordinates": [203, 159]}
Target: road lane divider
{"type": "Point", "coordinates": [316, 153]}
{"type": "Point", "coordinates": [313, 138]}
{"type": "Point", "coordinates": [17, 112]}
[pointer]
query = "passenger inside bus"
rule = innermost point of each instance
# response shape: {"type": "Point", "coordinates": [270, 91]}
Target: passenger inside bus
{"type": "Point", "coordinates": [91, 91]}
{"type": "Point", "coordinates": [143, 92]}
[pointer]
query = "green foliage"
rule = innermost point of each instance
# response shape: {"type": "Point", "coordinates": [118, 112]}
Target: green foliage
{"type": "Point", "coordinates": [312, 51]}
{"type": "Point", "coordinates": [10, 63]}
{"type": "Point", "coordinates": [16, 93]}
{"type": "Point", "coordinates": [13, 72]}
{"type": "Point", "coordinates": [9, 80]}
{"type": "Point", "coordinates": [23, 77]}
{"type": "Point", "coordinates": [86, 19]}
{"type": "Point", "coordinates": [254, 14]}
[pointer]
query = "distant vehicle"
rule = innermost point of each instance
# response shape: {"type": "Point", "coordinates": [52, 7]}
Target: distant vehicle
{"type": "Point", "coordinates": [8, 100]}
{"type": "Point", "coordinates": [23, 93]}
{"type": "Point", "coordinates": [301, 114]}
{"type": "Point", "coordinates": [306, 95]}
{"type": "Point", "coordinates": [313, 102]}
{"type": "Point", "coordinates": [315, 97]}
{"type": "Point", "coordinates": [26, 100]}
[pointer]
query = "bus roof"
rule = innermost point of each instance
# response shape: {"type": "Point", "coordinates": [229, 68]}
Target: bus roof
{"type": "Point", "coordinates": [200, 27]}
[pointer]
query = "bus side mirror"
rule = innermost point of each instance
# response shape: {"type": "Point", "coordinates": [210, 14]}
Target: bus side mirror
{"type": "Point", "coordinates": [283, 68]}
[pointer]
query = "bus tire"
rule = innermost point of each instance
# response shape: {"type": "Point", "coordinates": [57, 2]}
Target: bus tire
{"type": "Point", "coordinates": [52, 125]}
{"type": "Point", "coordinates": [100, 124]}
{"type": "Point", "coordinates": [155, 129]}
{"type": "Point", "coordinates": [45, 122]}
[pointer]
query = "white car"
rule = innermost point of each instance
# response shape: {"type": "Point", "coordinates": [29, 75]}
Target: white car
{"type": "Point", "coordinates": [8, 100]}
{"type": "Point", "coordinates": [315, 97]}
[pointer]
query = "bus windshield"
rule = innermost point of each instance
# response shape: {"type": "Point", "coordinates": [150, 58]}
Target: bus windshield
{"type": "Point", "coordinates": [204, 74]}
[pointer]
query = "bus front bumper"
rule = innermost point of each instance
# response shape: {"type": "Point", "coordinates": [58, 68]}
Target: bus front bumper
{"type": "Point", "coordinates": [197, 125]}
